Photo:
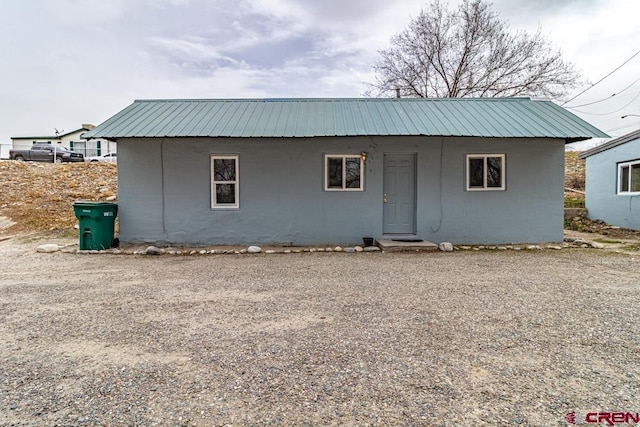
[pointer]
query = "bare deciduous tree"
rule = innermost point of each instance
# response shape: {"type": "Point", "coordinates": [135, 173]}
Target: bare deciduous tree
{"type": "Point", "coordinates": [469, 52]}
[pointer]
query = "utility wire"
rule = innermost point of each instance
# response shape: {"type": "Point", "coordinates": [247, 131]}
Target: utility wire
{"type": "Point", "coordinates": [604, 99]}
{"type": "Point", "coordinates": [590, 87]}
{"type": "Point", "coordinates": [610, 112]}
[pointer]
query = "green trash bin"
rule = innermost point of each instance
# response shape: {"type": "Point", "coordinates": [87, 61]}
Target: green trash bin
{"type": "Point", "coordinates": [97, 221]}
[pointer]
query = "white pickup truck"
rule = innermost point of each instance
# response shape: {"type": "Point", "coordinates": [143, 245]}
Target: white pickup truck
{"type": "Point", "coordinates": [109, 157]}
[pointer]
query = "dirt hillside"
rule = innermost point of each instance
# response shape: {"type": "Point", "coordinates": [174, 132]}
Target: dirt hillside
{"type": "Point", "coordinates": [39, 196]}
{"type": "Point", "coordinates": [574, 171]}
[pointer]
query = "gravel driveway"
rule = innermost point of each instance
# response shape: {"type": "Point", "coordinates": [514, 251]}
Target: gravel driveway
{"type": "Point", "coordinates": [438, 339]}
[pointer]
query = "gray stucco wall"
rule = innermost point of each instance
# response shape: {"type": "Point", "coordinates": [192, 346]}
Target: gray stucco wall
{"type": "Point", "coordinates": [602, 200]}
{"type": "Point", "coordinates": [164, 191]}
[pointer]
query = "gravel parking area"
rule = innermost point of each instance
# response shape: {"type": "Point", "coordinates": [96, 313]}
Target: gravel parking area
{"type": "Point", "coordinates": [434, 339]}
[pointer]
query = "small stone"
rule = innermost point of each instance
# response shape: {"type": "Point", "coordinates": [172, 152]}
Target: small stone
{"type": "Point", "coordinates": [48, 248]}
{"type": "Point", "coordinates": [312, 250]}
{"type": "Point", "coordinates": [372, 249]}
{"type": "Point", "coordinates": [297, 251]}
{"type": "Point", "coordinates": [517, 248]}
{"type": "Point", "coordinates": [171, 252]}
{"type": "Point", "coordinates": [584, 246]}
{"type": "Point", "coordinates": [349, 250]}
{"type": "Point", "coordinates": [269, 251]}
{"type": "Point", "coordinates": [306, 250]}
{"type": "Point", "coordinates": [244, 251]}
{"type": "Point", "coordinates": [597, 245]}
{"type": "Point", "coordinates": [338, 249]}
{"type": "Point", "coordinates": [320, 249]}
{"type": "Point", "coordinates": [254, 249]}
{"type": "Point", "coordinates": [492, 248]}
{"type": "Point", "coordinates": [287, 251]}
{"type": "Point", "coordinates": [111, 198]}
{"type": "Point", "coordinates": [554, 247]}
{"type": "Point", "coordinates": [192, 253]}
{"type": "Point", "coordinates": [178, 252]}
{"type": "Point", "coordinates": [465, 248]}
{"type": "Point", "coordinates": [476, 249]}
{"type": "Point", "coordinates": [116, 251]}
{"type": "Point", "coordinates": [445, 247]}
{"type": "Point", "coordinates": [358, 248]}
{"type": "Point", "coordinates": [502, 248]}
{"type": "Point", "coordinates": [329, 250]}
{"type": "Point", "coordinates": [480, 247]}
{"type": "Point", "coordinates": [203, 252]}
{"type": "Point", "coordinates": [533, 248]}
{"type": "Point", "coordinates": [152, 250]}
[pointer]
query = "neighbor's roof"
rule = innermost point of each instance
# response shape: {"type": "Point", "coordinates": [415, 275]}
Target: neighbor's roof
{"type": "Point", "coordinates": [610, 144]}
{"type": "Point", "coordinates": [62, 135]}
{"type": "Point", "coordinates": [249, 118]}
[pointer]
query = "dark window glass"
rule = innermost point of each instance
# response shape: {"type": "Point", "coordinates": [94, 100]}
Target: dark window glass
{"type": "Point", "coordinates": [224, 169]}
{"type": "Point", "coordinates": [476, 173]}
{"type": "Point", "coordinates": [624, 179]}
{"type": "Point", "coordinates": [353, 172]}
{"type": "Point", "coordinates": [494, 172]}
{"type": "Point", "coordinates": [635, 178]}
{"type": "Point", "coordinates": [226, 194]}
{"type": "Point", "coordinates": [334, 170]}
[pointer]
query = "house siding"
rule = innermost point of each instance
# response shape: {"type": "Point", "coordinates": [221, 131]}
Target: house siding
{"type": "Point", "coordinates": [602, 200]}
{"type": "Point", "coordinates": [164, 191]}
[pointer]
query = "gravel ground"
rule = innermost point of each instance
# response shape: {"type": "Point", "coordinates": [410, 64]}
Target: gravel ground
{"type": "Point", "coordinates": [437, 339]}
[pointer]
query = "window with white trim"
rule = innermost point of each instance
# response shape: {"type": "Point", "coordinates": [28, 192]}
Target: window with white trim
{"type": "Point", "coordinates": [225, 185]}
{"type": "Point", "coordinates": [629, 177]}
{"type": "Point", "coordinates": [485, 172]}
{"type": "Point", "coordinates": [343, 172]}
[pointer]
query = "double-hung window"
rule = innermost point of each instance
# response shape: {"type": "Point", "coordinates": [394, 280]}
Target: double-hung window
{"type": "Point", "coordinates": [485, 172]}
{"type": "Point", "coordinates": [225, 185]}
{"type": "Point", "coordinates": [343, 172]}
{"type": "Point", "coordinates": [629, 177]}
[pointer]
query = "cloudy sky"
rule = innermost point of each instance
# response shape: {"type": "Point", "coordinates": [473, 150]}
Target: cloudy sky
{"type": "Point", "coordinates": [68, 62]}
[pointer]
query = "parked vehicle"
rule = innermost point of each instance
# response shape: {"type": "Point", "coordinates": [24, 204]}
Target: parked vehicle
{"type": "Point", "coordinates": [46, 153]}
{"type": "Point", "coordinates": [109, 157]}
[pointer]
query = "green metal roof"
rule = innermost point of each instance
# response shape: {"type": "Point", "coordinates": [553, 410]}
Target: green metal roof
{"type": "Point", "coordinates": [257, 118]}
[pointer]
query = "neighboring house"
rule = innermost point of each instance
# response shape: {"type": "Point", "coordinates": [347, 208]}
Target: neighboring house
{"type": "Point", "coordinates": [69, 140]}
{"type": "Point", "coordinates": [314, 171]}
{"type": "Point", "coordinates": [613, 181]}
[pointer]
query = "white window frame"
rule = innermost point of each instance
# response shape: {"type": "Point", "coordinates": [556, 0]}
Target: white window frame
{"type": "Point", "coordinates": [344, 158]}
{"type": "Point", "coordinates": [214, 204]}
{"type": "Point", "coordinates": [630, 165]}
{"type": "Point", "coordinates": [484, 187]}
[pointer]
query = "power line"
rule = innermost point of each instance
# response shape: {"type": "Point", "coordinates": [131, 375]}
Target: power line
{"type": "Point", "coordinates": [604, 99]}
{"type": "Point", "coordinates": [610, 112]}
{"type": "Point", "coordinates": [590, 87]}
{"type": "Point", "coordinates": [621, 127]}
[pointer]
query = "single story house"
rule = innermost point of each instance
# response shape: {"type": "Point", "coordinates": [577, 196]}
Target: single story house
{"type": "Point", "coordinates": [613, 181]}
{"type": "Point", "coordinates": [315, 171]}
{"type": "Point", "coordinates": [69, 140]}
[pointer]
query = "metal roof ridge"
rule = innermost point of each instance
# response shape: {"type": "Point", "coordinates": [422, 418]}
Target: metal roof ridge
{"type": "Point", "coordinates": [481, 99]}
